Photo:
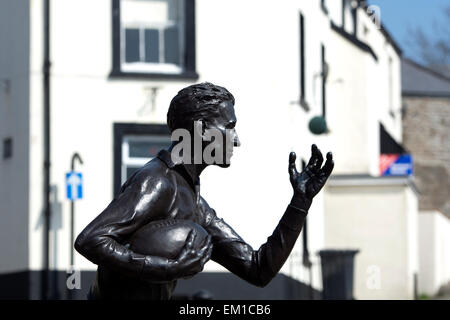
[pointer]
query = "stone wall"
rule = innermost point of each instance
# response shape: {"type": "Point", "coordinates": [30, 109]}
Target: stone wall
{"type": "Point", "coordinates": [426, 134]}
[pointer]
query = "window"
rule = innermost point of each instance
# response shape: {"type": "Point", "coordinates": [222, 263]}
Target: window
{"type": "Point", "coordinates": [154, 38]}
{"type": "Point", "coordinates": [7, 148]}
{"type": "Point", "coordinates": [323, 6]}
{"type": "Point", "coordinates": [344, 8]}
{"type": "Point", "coordinates": [324, 80]}
{"type": "Point", "coordinates": [135, 145]}
{"type": "Point", "coordinates": [138, 150]}
{"type": "Point", "coordinates": [350, 16]}
{"type": "Point", "coordinates": [355, 18]}
{"type": "Point", "coordinates": [390, 88]}
{"type": "Point", "coordinates": [303, 102]}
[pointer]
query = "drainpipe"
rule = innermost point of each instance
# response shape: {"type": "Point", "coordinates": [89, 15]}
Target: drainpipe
{"type": "Point", "coordinates": [47, 210]}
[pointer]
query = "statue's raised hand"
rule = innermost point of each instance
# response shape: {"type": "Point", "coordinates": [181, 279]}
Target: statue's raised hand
{"type": "Point", "coordinates": [308, 183]}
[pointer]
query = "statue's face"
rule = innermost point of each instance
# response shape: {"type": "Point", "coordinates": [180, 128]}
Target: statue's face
{"type": "Point", "coordinates": [225, 122]}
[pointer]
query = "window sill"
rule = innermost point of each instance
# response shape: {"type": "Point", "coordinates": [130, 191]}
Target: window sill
{"type": "Point", "coordinates": [187, 75]}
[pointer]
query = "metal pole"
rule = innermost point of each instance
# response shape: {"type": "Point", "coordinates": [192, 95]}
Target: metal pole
{"type": "Point", "coordinates": [75, 156]}
{"type": "Point", "coordinates": [47, 211]}
{"type": "Point", "coordinates": [71, 231]}
{"type": "Point", "coordinates": [306, 261]}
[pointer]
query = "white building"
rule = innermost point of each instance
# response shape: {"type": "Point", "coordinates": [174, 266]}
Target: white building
{"type": "Point", "coordinates": [116, 64]}
{"type": "Point", "coordinates": [426, 100]}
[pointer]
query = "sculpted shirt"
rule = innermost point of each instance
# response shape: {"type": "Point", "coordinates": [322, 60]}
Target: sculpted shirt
{"type": "Point", "coordinates": [163, 190]}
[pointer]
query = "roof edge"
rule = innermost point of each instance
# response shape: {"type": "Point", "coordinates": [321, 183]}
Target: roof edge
{"type": "Point", "coordinates": [363, 4]}
{"type": "Point", "coordinates": [426, 69]}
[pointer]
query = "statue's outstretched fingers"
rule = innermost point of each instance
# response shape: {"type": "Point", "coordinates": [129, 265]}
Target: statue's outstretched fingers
{"type": "Point", "coordinates": [329, 165]}
{"type": "Point", "coordinates": [292, 169]}
{"type": "Point", "coordinates": [318, 159]}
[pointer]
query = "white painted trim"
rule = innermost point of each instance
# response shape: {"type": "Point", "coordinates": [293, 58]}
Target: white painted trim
{"type": "Point", "coordinates": [352, 181]}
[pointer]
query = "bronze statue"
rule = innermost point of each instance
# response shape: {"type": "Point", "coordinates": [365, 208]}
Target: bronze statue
{"type": "Point", "coordinates": [165, 191]}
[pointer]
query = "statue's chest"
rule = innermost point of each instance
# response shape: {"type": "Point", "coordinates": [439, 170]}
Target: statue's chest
{"type": "Point", "coordinates": [186, 207]}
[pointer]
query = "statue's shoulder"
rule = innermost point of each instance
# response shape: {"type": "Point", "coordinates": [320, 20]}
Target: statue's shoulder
{"type": "Point", "coordinates": [153, 175]}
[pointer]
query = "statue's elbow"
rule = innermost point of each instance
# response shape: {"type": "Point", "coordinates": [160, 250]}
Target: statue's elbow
{"type": "Point", "coordinates": [80, 244]}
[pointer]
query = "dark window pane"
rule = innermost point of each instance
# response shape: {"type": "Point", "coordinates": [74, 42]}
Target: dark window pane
{"type": "Point", "coordinates": [130, 171]}
{"type": "Point", "coordinates": [151, 45]}
{"type": "Point", "coordinates": [7, 148]}
{"type": "Point", "coordinates": [132, 45]}
{"type": "Point", "coordinates": [172, 45]}
{"type": "Point", "coordinates": [146, 149]}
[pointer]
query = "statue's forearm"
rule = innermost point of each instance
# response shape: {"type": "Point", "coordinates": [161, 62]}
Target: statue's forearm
{"type": "Point", "coordinates": [301, 202]}
{"type": "Point", "coordinates": [272, 255]}
{"type": "Point", "coordinates": [104, 250]}
{"type": "Point", "coordinates": [257, 267]}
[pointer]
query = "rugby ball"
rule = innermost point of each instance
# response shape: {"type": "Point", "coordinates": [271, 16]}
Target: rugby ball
{"type": "Point", "coordinates": [166, 238]}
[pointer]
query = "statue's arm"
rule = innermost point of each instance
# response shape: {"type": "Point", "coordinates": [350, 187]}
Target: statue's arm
{"type": "Point", "coordinates": [257, 267]}
{"type": "Point", "coordinates": [260, 266]}
{"type": "Point", "coordinates": [102, 241]}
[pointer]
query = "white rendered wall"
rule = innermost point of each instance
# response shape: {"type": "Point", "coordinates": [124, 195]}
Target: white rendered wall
{"type": "Point", "coordinates": [381, 221]}
{"type": "Point", "coordinates": [358, 98]}
{"type": "Point", "coordinates": [14, 114]}
{"type": "Point", "coordinates": [261, 70]}
{"type": "Point", "coordinates": [434, 235]}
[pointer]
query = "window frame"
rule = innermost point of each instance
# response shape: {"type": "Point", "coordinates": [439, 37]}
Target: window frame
{"type": "Point", "coordinates": [323, 6]}
{"type": "Point", "coordinates": [134, 161]}
{"type": "Point", "coordinates": [7, 148]}
{"type": "Point", "coordinates": [324, 80]}
{"type": "Point", "coordinates": [188, 62]}
{"type": "Point", "coordinates": [302, 62]}
{"type": "Point", "coordinates": [121, 130]}
{"type": "Point", "coordinates": [354, 12]}
{"type": "Point", "coordinates": [344, 8]}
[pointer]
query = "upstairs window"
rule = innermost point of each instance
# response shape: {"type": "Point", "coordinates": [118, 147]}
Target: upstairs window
{"type": "Point", "coordinates": [303, 102]}
{"type": "Point", "coordinates": [323, 6]}
{"type": "Point", "coordinates": [154, 37]}
{"type": "Point", "coordinates": [7, 148]}
{"type": "Point", "coordinates": [151, 35]}
{"type": "Point", "coordinates": [344, 9]}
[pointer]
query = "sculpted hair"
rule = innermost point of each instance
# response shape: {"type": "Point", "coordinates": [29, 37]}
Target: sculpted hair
{"type": "Point", "coordinates": [196, 102]}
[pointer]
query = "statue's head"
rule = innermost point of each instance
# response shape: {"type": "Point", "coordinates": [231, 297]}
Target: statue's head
{"type": "Point", "coordinates": [210, 105]}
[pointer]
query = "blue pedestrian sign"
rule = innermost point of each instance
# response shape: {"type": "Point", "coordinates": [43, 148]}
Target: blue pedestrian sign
{"type": "Point", "coordinates": [74, 185]}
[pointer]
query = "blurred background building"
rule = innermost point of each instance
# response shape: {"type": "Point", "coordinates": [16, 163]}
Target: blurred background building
{"type": "Point", "coordinates": [426, 123]}
{"type": "Point", "coordinates": [96, 78]}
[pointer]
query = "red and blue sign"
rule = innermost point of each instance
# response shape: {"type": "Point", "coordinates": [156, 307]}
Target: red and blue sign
{"type": "Point", "coordinates": [396, 165]}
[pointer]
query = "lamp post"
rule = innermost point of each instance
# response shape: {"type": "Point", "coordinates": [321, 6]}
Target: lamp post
{"type": "Point", "coordinates": [75, 156]}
